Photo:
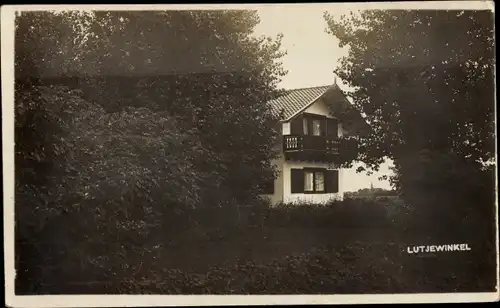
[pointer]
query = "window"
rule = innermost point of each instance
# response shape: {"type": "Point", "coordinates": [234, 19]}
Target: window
{"type": "Point", "coordinates": [314, 181]}
{"type": "Point", "coordinates": [305, 127]}
{"type": "Point", "coordinates": [308, 181]}
{"type": "Point", "coordinates": [319, 181]}
{"type": "Point", "coordinates": [316, 126]}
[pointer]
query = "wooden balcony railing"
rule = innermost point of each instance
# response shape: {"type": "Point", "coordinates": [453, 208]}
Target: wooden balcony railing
{"type": "Point", "coordinates": [314, 143]}
{"type": "Point", "coordinates": [318, 148]}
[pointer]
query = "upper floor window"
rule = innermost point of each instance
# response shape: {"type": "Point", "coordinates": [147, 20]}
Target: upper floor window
{"type": "Point", "coordinates": [313, 125]}
{"type": "Point", "coordinates": [316, 126]}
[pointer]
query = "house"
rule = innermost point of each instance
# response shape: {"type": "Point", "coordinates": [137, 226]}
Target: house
{"type": "Point", "coordinates": [316, 125]}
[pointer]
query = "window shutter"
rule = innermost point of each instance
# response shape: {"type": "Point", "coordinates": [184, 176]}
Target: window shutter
{"type": "Point", "coordinates": [323, 127]}
{"type": "Point", "coordinates": [310, 126]}
{"type": "Point", "coordinates": [271, 187]}
{"type": "Point", "coordinates": [296, 127]}
{"type": "Point", "coordinates": [297, 181]}
{"type": "Point", "coordinates": [332, 127]}
{"type": "Point", "coordinates": [332, 181]}
{"type": "Point", "coordinates": [267, 187]}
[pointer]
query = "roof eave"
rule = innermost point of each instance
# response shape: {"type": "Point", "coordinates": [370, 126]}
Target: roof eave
{"type": "Point", "coordinates": [308, 105]}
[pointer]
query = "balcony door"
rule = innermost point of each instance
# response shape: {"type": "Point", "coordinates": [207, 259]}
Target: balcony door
{"type": "Point", "coordinates": [314, 125]}
{"type": "Point", "coordinates": [309, 125]}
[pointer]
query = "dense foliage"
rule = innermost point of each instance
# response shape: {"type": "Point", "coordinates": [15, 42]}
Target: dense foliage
{"type": "Point", "coordinates": [203, 66]}
{"type": "Point", "coordinates": [126, 122]}
{"type": "Point", "coordinates": [424, 80]}
{"type": "Point", "coordinates": [356, 268]}
{"type": "Point", "coordinates": [349, 256]}
{"type": "Point", "coordinates": [350, 213]}
{"type": "Point", "coordinates": [95, 178]}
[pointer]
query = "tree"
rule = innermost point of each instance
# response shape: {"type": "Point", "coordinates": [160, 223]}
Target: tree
{"type": "Point", "coordinates": [49, 43]}
{"type": "Point", "coordinates": [203, 66]}
{"type": "Point", "coordinates": [125, 123]}
{"type": "Point", "coordinates": [424, 79]}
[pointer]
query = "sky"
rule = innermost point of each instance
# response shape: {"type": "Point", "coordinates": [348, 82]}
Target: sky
{"type": "Point", "coordinates": [312, 55]}
{"type": "Point", "coordinates": [310, 49]}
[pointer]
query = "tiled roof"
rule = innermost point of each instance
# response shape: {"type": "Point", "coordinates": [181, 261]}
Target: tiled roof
{"type": "Point", "coordinates": [296, 99]}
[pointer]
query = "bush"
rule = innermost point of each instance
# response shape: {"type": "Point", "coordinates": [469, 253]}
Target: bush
{"type": "Point", "coordinates": [349, 213]}
{"type": "Point", "coordinates": [449, 192]}
{"type": "Point", "coordinates": [324, 270]}
{"type": "Point", "coordinates": [371, 192]}
{"type": "Point", "coordinates": [91, 187]}
{"type": "Point", "coordinates": [357, 268]}
{"type": "Point", "coordinates": [95, 191]}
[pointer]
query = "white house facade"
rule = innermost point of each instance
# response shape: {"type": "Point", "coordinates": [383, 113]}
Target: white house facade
{"type": "Point", "coordinates": [314, 131]}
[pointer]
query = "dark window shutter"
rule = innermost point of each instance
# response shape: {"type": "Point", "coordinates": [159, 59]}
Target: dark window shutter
{"type": "Point", "coordinates": [296, 127]}
{"type": "Point", "coordinates": [323, 126]}
{"type": "Point", "coordinates": [297, 181]}
{"type": "Point", "coordinates": [306, 129]}
{"type": "Point", "coordinates": [332, 181]}
{"type": "Point", "coordinates": [271, 187]}
{"type": "Point", "coordinates": [267, 187]}
{"type": "Point", "coordinates": [332, 127]}
{"type": "Point", "coordinates": [310, 125]}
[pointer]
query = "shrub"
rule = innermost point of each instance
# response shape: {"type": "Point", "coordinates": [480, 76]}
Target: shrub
{"type": "Point", "coordinates": [349, 213]}
{"type": "Point", "coordinates": [449, 192]}
{"type": "Point", "coordinates": [356, 268]}
{"type": "Point", "coordinates": [371, 192]}
{"type": "Point", "coordinates": [323, 270]}
{"type": "Point", "coordinates": [90, 185]}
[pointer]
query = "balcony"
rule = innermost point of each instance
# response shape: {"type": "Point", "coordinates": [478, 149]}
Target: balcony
{"type": "Point", "coordinates": [318, 148]}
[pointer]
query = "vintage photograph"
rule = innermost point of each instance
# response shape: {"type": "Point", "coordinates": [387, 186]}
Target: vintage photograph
{"type": "Point", "coordinates": [267, 150]}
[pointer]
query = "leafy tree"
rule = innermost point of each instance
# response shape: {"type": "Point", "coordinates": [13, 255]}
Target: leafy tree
{"type": "Point", "coordinates": [49, 43]}
{"type": "Point", "coordinates": [424, 79]}
{"type": "Point", "coordinates": [415, 76]}
{"type": "Point", "coordinates": [203, 66]}
{"type": "Point", "coordinates": [125, 122]}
